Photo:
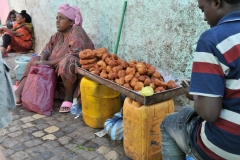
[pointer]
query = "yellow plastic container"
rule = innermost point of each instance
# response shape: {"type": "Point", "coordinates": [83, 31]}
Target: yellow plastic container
{"type": "Point", "coordinates": [98, 102]}
{"type": "Point", "coordinates": [142, 136]}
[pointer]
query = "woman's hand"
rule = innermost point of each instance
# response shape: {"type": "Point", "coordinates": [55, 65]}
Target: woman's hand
{"type": "Point", "coordinates": [42, 62]}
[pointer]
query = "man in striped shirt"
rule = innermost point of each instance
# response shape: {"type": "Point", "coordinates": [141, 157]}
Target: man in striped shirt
{"type": "Point", "coordinates": [212, 129]}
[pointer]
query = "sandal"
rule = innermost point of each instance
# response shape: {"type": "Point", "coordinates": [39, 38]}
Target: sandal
{"type": "Point", "coordinates": [65, 104]}
{"type": "Point", "coordinates": [18, 104]}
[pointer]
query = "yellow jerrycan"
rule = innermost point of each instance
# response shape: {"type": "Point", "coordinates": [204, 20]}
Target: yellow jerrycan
{"type": "Point", "coordinates": [141, 134]}
{"type": "Point", "coordinates": [99, 102]}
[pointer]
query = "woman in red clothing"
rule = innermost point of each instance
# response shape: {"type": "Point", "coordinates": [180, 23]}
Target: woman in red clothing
{"type": "Point", "coordinates": [21, 37]}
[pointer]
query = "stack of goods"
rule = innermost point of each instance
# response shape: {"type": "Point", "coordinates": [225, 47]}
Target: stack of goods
{"type": "Point", "coordinates": [132, 75]}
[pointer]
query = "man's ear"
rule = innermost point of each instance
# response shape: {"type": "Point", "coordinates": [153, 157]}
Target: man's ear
{"type": "Point", "coordinates": [217, 3]}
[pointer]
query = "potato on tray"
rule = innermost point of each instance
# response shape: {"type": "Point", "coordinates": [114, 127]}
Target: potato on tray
{"type": "Point", "coordinates": [133, 75]}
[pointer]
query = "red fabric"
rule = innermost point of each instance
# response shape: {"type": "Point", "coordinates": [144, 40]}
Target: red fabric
{"type": "Point", "coordinates": [228, 126]}
{"type": "Point", "coordinates": [232, 93]}
{"type": "Point", "coordinates": [202, 67]}
{"type": "Point", "coordinates": [204, 148]}
{"type": "Point", "coordinates": [232, 54]}
{"type": "Point", "coordinates": [38, 91]}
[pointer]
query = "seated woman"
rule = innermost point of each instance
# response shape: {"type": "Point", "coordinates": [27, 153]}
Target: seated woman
{"type": "Point", "coordinates": [21, 37]}
{"type": "Point", "coordinates": [61, 52]}
{"type": "Point", "coordinates": [11, 19]}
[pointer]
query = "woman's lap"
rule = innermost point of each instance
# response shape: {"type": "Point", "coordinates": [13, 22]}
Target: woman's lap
{"type": "Point", "coordinates": [67, 67]}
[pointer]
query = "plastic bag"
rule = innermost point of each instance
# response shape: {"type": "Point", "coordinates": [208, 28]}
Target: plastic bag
{"type": "Point", "coordinates": [167, 76]}
{"type": "Point", "coordinates": [189, 157]}
{"type": "Point", "coordinates": [114, 126]}
{"type": "Point", "coordinates": [38, 91]}
{"type": "Point", "coordinates": [76, 110]}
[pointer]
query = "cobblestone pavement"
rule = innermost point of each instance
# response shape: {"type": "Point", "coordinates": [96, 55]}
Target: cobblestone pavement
{"type": "Point", "coordinates": [32, 136]}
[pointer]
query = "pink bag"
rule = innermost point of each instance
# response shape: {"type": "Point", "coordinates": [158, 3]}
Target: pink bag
{"type": "Point", "coordinates": [38, 91]}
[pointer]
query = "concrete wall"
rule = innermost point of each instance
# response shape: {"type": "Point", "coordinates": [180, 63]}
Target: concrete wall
{"type": "Point", "coordinates": [163, 33]}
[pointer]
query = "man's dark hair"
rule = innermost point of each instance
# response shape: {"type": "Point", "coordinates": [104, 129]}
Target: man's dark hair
{"type": "Point", "coordinates": [232, 1]}
{"type": "Point", "coordinates": [229, 1]}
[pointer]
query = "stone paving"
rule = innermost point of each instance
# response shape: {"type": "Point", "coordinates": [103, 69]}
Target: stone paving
{"type": "Point", "coordinates": [31, 136]}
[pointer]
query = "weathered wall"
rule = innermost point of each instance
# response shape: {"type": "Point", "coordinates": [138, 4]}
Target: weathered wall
{"type": "Point", "coordinates": [163, 33]}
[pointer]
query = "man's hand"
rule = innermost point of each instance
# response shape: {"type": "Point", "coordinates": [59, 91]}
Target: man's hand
{"type": "Point", "coordinates": [185, 84]}
{"type": "Point", "coordinates": [209, 108]}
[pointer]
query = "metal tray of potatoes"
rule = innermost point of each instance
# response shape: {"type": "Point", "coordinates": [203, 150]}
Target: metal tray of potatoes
{"type": "Point", "coordinates": [146, 100]}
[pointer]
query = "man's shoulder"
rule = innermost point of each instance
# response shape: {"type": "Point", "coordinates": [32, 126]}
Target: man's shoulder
{"type": "Point", "coordinates": [210, 33]}
{"type": "Point", "coordinates": [220, 32]}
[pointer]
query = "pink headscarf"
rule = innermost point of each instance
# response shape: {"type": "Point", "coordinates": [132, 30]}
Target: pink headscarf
{"type": "Point", "coordinates": [72, 12]}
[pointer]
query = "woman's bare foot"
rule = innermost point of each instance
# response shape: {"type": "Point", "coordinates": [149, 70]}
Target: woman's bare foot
{"type": "Point", "coordinates": [18, 91]}
{"type": "Point", "coordinates": [18, 98]}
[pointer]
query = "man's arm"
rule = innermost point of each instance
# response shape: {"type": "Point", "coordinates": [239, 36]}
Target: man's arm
{"type": "Point", "coordinates": [209, 108]}
{"type": "Point", "coordinates": [186, 92]}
